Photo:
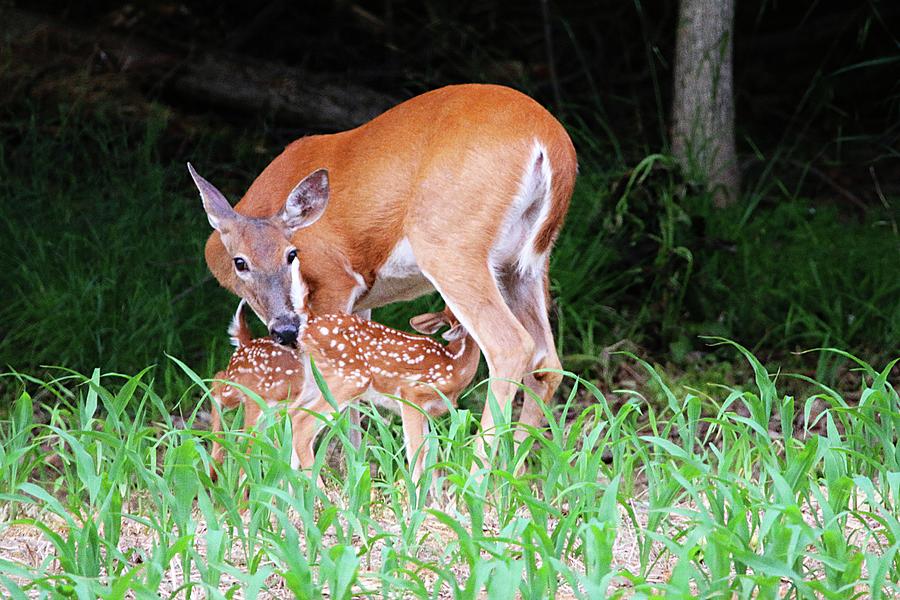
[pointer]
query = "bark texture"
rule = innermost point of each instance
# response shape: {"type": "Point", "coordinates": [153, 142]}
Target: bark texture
{"type": "Point", "coordinates": [703, 138]}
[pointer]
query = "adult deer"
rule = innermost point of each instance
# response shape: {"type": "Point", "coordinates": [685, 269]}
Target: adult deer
{"type": "Point", "coordinates": [462, 190]}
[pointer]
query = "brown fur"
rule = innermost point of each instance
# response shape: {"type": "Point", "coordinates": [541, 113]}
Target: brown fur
{"type": "Point", "coordinates": [365, 355]}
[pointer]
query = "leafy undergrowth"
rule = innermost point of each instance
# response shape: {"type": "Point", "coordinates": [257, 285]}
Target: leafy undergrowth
{"type": "Point", "coordinates": [111, 496]}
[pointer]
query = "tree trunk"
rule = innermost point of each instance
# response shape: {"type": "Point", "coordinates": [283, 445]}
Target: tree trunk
{"type": "Point", "coordinates": [703, 139]}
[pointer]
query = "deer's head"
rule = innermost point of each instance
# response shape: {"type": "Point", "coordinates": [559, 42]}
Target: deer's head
{"type": "Point", "coordinates": [262, 253]}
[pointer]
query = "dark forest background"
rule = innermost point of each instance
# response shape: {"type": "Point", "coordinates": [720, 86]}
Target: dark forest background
{"type": "Point", "coordinates": [826, 69]}
{"type": "Point", "coordinates": [102, 103]}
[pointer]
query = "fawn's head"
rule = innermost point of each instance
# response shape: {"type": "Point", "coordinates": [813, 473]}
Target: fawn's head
{"type": "Point", "coordinates": [262, 253]}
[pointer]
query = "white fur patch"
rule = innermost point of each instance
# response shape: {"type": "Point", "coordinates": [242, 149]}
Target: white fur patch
{"type": "Point", "coordinates": [311, 390]}
{"type": "Point", "coordinates": [234, 328]}
{"type": "Point", "coordinates": [399, 278]}
{"type": "Point", "coordinates": [432, 406]}
{"type": "Point", "coordinates": [518, 234]}
{"type": "Point", "coordinates": [358, 290]}
{"type": "Point", "coordinates": [530, 261]}
{"type": "Point", "coordinates": [298, 287]}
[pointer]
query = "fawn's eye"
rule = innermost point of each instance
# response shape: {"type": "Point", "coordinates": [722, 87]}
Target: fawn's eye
{"type": "Point", "coordinates": [291, 256]}
{"type": "Point", "coordinates": [240, 264]}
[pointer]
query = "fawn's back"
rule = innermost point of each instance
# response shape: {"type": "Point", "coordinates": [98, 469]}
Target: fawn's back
{"type": "Point", "coordinates": [370, 357]}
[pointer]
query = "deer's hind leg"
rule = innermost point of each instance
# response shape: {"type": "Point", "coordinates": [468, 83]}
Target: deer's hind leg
{"type": "Point", "coordinates": [528, 296]}
{"type": "Point", "coordinates": [470, 290]}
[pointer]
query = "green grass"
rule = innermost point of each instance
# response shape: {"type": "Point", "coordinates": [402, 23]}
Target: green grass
{"type": "Point", "coordinates": [782, 273]}
{"type": "Point", "coordinates": [103, 250]}
{"type": "Point", "coordinates": [682, 505]}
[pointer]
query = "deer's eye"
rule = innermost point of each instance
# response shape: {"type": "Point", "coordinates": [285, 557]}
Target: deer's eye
{"type": "Point", "coordinates": [240, 264]}
{"type": "Point", "coordinates": [291, 256]}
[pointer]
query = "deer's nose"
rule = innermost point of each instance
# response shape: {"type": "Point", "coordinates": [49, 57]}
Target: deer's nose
{"type": "Point", "coordinates": [285, 334]}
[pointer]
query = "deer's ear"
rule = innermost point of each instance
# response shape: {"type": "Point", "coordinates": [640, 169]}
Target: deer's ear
{"type": "Point", "coordinates": [218, 210]}
{"type": "Point", "coordinates": [428, 323]}
{"type": "Point", "coordinates": [307, 201]}
{"type": "Point", "coordinates": [454, 333]}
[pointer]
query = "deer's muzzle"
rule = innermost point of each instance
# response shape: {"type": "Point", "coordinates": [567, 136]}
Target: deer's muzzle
{"type": "Point", "coordinates": [285, 329]}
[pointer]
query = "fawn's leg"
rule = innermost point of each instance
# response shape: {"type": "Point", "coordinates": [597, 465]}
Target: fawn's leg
{"type": "Point", "coordinates": [304, 427]}
{"type": "Point", "coordinates": [415, 427]}
{"type": "Point", "coordinates": [221, 397]}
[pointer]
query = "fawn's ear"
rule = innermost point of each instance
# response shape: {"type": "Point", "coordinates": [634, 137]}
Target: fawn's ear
{"type": "Point", "coordinates": [428, 323]}
{"type": "Point", "coordinates": [238, 331]}
{"type": "Point", "coordinates": [218, 210]}
{"type": "Point", "coordinates": [454, 333]}
{"type": "Point", "coordinates": [307, 201]}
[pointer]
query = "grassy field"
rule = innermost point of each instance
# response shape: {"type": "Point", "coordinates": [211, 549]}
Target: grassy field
{"type": "Point", "coordinates": [710, 476]}
{"type": "Point", "coordinates": [108, 496]}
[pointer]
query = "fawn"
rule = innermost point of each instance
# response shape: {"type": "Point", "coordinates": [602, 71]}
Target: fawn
{"type": "Point", "coordinates": [359, 359]}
